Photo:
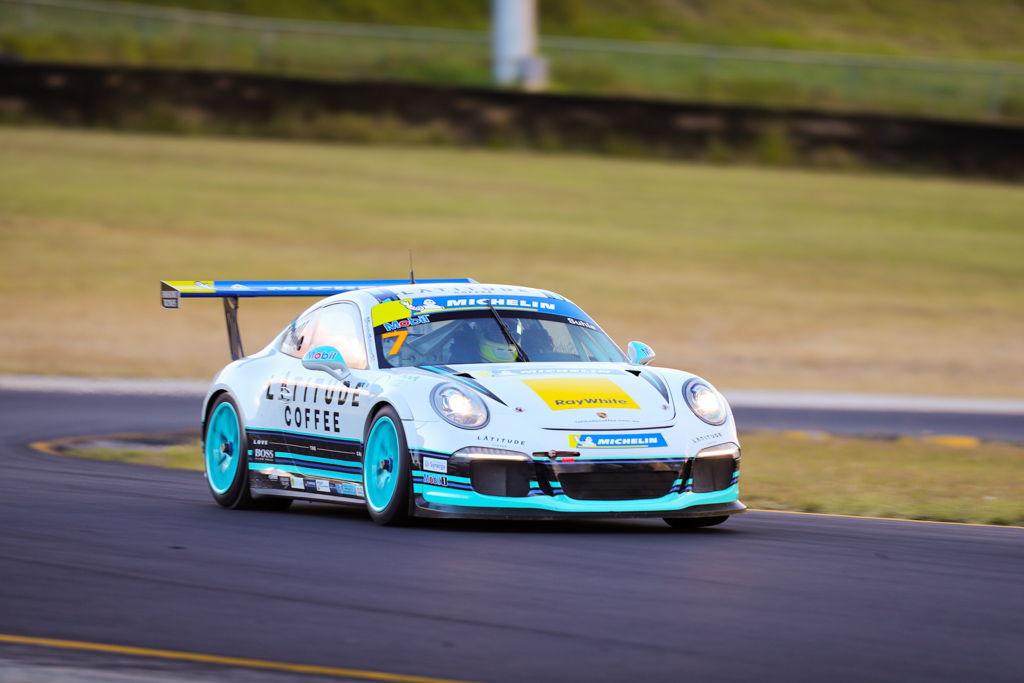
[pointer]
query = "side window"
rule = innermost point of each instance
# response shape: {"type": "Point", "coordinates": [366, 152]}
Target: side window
{"type": "Point", "coordinates": [338, 325]}
{"type": "Point", "coordinates": [298, 336]}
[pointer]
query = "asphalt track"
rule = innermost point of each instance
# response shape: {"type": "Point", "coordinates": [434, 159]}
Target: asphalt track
{"type": "Point", "coordinates": [131, 555]}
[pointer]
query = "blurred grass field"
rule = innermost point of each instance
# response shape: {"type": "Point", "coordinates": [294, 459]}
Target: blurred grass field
{"type": "Point", "coordinates": [749, 276]}
{"type": "Point", "coordinates": [987, 31]}
{"type": "Point", "coordinates": [907, 478]}
{"type": "Point", "coordinates": [904, 478]}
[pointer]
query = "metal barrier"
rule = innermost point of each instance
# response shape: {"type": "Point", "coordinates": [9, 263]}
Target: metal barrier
{"type": "Point", "coordinates": [109, 32]}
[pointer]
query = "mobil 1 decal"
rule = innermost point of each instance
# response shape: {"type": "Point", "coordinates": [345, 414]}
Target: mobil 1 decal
{"type": "Point", "coordinates": [314, 407]}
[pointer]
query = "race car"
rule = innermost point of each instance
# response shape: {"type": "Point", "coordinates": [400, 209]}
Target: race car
{"type": "Point", "coordinates": [451, 398]}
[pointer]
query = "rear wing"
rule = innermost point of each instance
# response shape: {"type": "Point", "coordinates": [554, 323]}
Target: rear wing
{"type": "Point", "coordinates": [173, 291]}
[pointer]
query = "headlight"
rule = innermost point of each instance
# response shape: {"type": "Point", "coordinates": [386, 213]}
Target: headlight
{"type": "Point", "coordinates": [705, 402]}
{"type": "Point", "coordinates": [485, 453]}
{"type": "Point", "coordinates": [458, 407]}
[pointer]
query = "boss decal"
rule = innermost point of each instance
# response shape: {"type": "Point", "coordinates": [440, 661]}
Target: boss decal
{"type": "Point", "coordinates": [263, 455]}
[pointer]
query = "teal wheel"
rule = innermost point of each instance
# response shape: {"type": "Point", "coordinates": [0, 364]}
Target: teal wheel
{"type": "Point", "coordinates": [386, 481]}
{"type": "Point", "coordinates": [227, 462]}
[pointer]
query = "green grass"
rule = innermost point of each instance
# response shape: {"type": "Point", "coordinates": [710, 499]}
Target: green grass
{"type": "Point", "coordinates": [987, 29]}
{"type": "Point", "coordinates": [908, 479]}
{"type": "Point", "coordinates": [752, 277]}
{"type": "Point", "coordinates": [983, 30]}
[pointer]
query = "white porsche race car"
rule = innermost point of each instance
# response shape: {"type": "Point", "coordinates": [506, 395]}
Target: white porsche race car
{"type": "Point", "coordinates": [449, 398]}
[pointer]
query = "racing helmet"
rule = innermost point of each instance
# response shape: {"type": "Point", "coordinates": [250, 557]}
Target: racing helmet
{"type": "Point", "coordinates": [495, 348]}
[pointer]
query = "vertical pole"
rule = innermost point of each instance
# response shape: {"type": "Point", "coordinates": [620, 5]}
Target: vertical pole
{"type": "Point", "coordinates": [514, 44]}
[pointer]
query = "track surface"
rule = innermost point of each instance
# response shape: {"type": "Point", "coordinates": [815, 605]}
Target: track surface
{"type": "Point", "coordinates": [132, 555]}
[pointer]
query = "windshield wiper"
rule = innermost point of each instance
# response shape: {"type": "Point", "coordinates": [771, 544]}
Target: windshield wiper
{"type": "Point", "coordinates": [508, 333]}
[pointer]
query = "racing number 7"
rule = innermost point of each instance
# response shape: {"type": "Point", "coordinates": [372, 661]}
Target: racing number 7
{"type": "Point", "coordinates": [401, 334]}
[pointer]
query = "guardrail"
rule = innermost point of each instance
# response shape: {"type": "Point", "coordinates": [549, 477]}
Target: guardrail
{"type": "Point", "coordinates": [108, 32]}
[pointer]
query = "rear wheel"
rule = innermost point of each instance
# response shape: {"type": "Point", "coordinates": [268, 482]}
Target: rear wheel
{"type": "Point", "coordinates": [227, 463]}
{"type": "Point", "coordinates": [684, 523]}
{"type": "Point", "coordinates": [386, 481]}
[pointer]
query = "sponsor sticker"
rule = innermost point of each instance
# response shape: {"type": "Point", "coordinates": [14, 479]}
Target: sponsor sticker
{"type": "Point", "coordinates": [408, 322]}
{"type": "Point", "coordinates": [501, 440]}
{"type": "Point", "coordinates": [527, 302]}
{"type": "Point", "coordinates": [263, 455]}
{"type": "Point", "coordinates": [323, 486]}
{"type": "Point", "coordinates": [310, 485]}
{"type": "Point", "coordinates": [435, 480]}
{"type": "Point", "coordinates": [582, 392]}
{"type": "Point", "coordinates": [707, 437]}
{"type": "Point", "coordinates": [323, 353]}
{"type": "Point", "coordinates": [297, 483]}
{"type": "Point", "coordinates": [616, 441]}
{"type": "Point", "coordinates": [435, 465]}
{"type": "Point", "coordinates": [580, 323]}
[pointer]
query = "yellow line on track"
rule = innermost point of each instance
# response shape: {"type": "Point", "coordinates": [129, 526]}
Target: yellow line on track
{"type": "Point", "coordinates": [53, 446]}
{"type": "Point", "coordinates": [226, 661]}
{"type": "Point", "coordinates": [886, 519]}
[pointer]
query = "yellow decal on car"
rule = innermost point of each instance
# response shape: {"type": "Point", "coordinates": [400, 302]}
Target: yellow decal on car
{"type": "Point", "coordinates": [390, 311]}
{"type": "Point", "coordinates": [569, 394]}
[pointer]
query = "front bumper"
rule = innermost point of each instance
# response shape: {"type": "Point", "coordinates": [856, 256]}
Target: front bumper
{"type": "Point", "coordinates": [556, 487]}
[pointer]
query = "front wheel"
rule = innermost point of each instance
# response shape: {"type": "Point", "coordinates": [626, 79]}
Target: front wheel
{"type": "Point", "coordinates": [684, 523]}
{"type": "Point", "coordinates": [386, 481]}
{"type": "Point", "coordinates": [227, 461]}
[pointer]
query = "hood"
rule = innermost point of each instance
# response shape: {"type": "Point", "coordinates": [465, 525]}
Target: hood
{"type": "Point", "coordinates": [572, 395]}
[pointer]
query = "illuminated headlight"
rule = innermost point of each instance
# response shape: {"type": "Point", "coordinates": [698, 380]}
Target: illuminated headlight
{"type": "Point", "coordinates": [723, 449]}
{"type": "Point", "coordinates": [458, 407]}
{"type": "Point", "coordinates": [705, 402]}
{"type": "Point", "coordinates": [486, 453]}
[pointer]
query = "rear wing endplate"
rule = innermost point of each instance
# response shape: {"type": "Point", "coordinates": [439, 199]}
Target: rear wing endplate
{"type": "Point", "coordinates": [173, 291]}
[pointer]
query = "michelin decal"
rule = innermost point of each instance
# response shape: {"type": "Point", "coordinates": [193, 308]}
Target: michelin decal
{"type": "Point", "coordinates": [616, 441]}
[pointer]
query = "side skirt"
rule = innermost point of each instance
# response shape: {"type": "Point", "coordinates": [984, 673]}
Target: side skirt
{"type": "Point", "coordinates": [313, 497]}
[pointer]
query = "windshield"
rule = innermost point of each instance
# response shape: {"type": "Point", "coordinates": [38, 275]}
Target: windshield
{"type": "Point", "coordinates": [414, 332]}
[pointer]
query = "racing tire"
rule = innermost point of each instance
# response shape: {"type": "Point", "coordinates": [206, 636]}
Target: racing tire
{"type": "Point", "coordinates": [387, 484]}
{"type": "Point", "coordinates": [687, 523]}
{"type": "Point", "coordinates": [225, 454]}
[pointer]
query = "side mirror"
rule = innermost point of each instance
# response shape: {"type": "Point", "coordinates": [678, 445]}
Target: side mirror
{"type": "Point", "coordinates": [326, 359]}
{"type": "Point", "coordinates": [639, 353]}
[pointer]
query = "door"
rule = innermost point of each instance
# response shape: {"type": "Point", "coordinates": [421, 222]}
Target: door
{"type": "Point", "coordinates": [329, 412]}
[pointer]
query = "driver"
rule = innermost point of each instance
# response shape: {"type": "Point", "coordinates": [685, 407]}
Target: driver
{"type": "Point", "coordinates": [495, 347]}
